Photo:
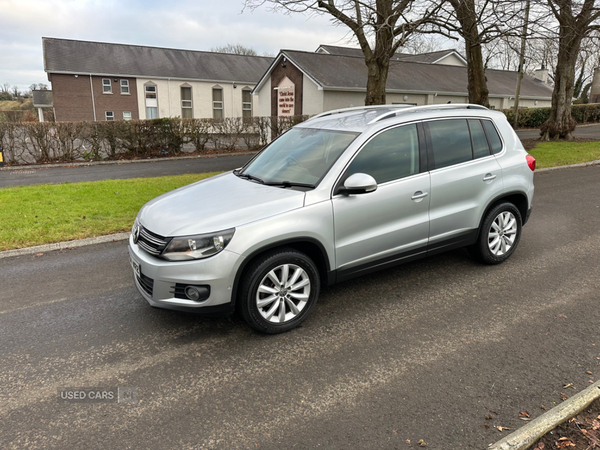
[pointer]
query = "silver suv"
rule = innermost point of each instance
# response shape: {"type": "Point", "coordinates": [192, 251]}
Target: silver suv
{"type": "Point", "coordinates": [338, 196]}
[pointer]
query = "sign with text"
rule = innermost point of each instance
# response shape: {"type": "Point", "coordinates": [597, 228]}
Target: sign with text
{"type": "Point", "coordinates": [286, 97]}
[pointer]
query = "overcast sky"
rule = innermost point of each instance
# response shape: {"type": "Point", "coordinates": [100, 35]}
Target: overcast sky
{"type": "Point", "coordinates": [186, 24]}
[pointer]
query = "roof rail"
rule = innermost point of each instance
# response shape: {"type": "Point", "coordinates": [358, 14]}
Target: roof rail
{"type": "Point", "coordinates": [434, 106]}
{"type": "Point", "coordinates": [358, 108]}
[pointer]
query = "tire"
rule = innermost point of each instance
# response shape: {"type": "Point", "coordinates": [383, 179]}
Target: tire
{"type": "Point", "coordinates": [499, 235]}
{"type": "Point", "coordinates": [269, 303]}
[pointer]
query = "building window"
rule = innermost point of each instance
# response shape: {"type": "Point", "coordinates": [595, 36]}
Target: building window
{"type": "Point", "coordinates": [126, 115]}
{"type": "Point", "coordinates": [151, 101]}
{"type": "Point", "coordinates": [106, 86]}
{"type": "Point", "coordinates": [246, 103]}
{"type": "Point", "coordinates": [109, 115]}
{"type": "Point", "coordinates": [217, 103]}
{"type": "Point", "coordinates": [124, 86]}
{"type": "Point", "coordinates": [186, 103]}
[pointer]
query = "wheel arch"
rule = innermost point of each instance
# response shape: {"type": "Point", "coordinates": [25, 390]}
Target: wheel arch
{"type": "Point", "coordinates": [517, 198]}
{"type": "Point", "coordinates": [311, 247]}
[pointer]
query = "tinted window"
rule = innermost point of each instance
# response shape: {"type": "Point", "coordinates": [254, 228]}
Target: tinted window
{"type": "Point", "coordinates": [480, 143]}
{"type": "Point", "coordinates": [492, 135]}
{"type": "Point", "coordinates": [390, 155]}
{"type": "Point", "coordinates": [450, 142]}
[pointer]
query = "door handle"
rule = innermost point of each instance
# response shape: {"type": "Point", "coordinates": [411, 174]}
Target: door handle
{"type": "Point", "coordinates": [489, 177]}
{"type": "Point", "coordinates": [419, 195]}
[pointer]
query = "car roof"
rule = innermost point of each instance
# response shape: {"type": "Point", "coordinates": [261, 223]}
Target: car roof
{"type": "Point", "coordinates": [373, 117]}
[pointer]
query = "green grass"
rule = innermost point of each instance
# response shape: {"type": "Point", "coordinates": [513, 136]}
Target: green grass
{"type": "Point", "coordinates": [42, 214]}
{"type": "Point", "coordinates": [552, 154]}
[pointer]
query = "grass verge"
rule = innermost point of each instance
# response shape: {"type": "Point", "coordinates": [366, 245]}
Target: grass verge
{"type": "Point", "coordinates": [47, 213]}
{"type": "Point", "coordinates": [553, 154]}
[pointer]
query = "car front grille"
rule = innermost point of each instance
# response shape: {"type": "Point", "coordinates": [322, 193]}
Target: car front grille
{"type": "Point", "coordinates": [146, 283]}
{"type": "Point", "coordinates": [152, 242]}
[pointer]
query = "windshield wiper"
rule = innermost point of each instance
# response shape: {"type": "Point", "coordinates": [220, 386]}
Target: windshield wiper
{"type": "Point", "coordinates": [248, 177]}
{"type": "Point", "coordinates": [290, 184]}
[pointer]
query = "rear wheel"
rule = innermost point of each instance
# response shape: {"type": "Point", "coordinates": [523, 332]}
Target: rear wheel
{"type": "Point", "coordinates": [499, 235]}
{"type": "Point", "coordinates": [279, 291]}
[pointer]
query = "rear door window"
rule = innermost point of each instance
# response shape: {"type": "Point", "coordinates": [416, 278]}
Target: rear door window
{"type": "Point", "coordinates": [450, 142]}
{"type": "Point", "coordinates": [481, 148]}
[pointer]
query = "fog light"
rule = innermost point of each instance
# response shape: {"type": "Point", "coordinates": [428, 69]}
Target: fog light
{"type": "Point", "coordinates": [192, 293]}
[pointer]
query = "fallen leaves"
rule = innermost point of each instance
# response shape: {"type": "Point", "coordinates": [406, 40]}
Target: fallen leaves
{"type": "Point", "coordinates": [422, 443]}
{"type": "Point", "coordinates": [499, 428]}
{"type": "Point", "coordinates": [563, 396]}
{"type": "Point", "coordinates": [564, 442]}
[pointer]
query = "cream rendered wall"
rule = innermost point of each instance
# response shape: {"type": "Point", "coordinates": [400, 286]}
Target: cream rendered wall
{"type": "Point", "coordinates": [262, 98]}
{"type": "Point", "coordinates": [312, 97]}
{"type": "Point", "coordinates": [417, 99]}
{"type": "Point", "coordinates": [342, 99]}
{"type": "Point", "coordinates": [451, 60]}
{"type": "Point", "coordinates": [169, 97]}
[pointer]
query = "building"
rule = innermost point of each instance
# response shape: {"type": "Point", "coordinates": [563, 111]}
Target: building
{"type": "Point", "coordinates": [447, 57]}
{"type": "Point", "coordinates": [335, 77]}
{"type": "Point", "coordinates": [96, 81]}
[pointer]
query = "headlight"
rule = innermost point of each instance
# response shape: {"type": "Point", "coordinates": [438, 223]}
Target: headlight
{"type": "Point", "coordinates": [185, 248]}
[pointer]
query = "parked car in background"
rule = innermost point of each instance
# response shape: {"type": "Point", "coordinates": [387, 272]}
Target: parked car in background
{"type": "Point", "coordinates": [338, 196]}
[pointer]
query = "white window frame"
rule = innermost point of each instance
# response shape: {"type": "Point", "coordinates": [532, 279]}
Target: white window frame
{"type": "Point", "coordinates": [155, 92]}
{"type": "Point", "coordinates": [187, 104]}
{"type": "Point", "coordinates": [126, 86]}
{"type": "Point", "coordinates": [218, 104]}
{"type": "Point", "coordinates": [106, 85]}
{"type": "Point", "coordinates": [109, 116]}
{"type": "Point", "coordinates": [127, 118]}
{"type": "Point", "coordinates": [246, 106]}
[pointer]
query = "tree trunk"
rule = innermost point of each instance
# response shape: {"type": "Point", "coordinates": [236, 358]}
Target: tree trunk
{"type": "Point", "coordinates": [560, 124]}
{"type": "Point", "coordinates": [477, 82]}
{"type": "Point", "coordinates": [376, 81]}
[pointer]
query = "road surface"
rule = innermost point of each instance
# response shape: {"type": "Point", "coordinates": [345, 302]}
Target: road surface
{"type": "Point", "coordinates": [422, 351]}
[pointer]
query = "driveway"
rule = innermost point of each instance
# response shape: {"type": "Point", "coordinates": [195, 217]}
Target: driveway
{"type": "Point", "coordinates": [591, 131]}
{"type": "Point", "coordinates": [422, 351]}
{"type": "Point", "coordinates": [75, 173]}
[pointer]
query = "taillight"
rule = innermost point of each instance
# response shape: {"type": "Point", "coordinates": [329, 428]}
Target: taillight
{"type": "Point", "coordinates": [531, 162]}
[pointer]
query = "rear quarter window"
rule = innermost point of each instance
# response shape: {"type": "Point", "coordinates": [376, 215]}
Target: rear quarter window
{"type": "Point", "coordinates": [493, 137]}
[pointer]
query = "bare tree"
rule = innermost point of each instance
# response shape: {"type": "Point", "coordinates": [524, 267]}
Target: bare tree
{"type": "Point", "coordinates": [422, 43]}
{"type": "Point", "coordinates": [577, 19]}
{"type": "Point", "coordinates": [381, 27]}
{"type": "Point", "coordinates": [478, 23]}
{"type": "Point", "coordinates": [236, 49]}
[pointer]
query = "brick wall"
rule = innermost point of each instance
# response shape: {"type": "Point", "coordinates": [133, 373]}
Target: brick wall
{"type": "Point", "coordinates": [73, 98]}
{"type": "Point", "coordinates": [295, 75]}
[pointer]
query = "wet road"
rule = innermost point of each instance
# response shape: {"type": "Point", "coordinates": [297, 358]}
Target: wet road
{"type": "Point", "coordinates": [422, 351]}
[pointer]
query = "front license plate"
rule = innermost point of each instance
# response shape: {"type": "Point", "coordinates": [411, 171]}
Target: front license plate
{"type": "Point", "coordinates": [136, 267]}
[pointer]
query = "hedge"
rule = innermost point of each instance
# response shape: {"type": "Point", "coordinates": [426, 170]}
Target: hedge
{"type": "Point", "coordinates": [35, 142]}
{"type": "Point", "coordinates": [535, 117]}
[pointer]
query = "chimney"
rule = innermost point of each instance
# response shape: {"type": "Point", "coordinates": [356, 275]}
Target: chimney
{"type": "Point", "coordinates": [541, 75]}
{"type": "Point", "coordinates": [595, 89]}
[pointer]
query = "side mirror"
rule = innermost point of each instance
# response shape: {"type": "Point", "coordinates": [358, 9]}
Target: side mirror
{"type": "Point", "coordinates": [359, 183]}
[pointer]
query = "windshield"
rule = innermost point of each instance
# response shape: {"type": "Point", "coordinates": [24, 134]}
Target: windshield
{"type": "Point", "coordinates": [299, 157]}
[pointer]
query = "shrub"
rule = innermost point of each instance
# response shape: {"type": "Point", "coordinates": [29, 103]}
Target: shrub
{"type": "Point", "coordinates": [535, 117]}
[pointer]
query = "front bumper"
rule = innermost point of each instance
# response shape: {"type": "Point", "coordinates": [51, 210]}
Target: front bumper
{"type": "Point", "coordinates": [158, 279]}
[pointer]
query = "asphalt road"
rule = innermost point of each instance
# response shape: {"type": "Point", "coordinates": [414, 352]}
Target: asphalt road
{"type": "Point", "coordinates": [582, 131]}
{"type": "Point", "coordinates": [422, 351]}
{"type": "Point", "coordinates": [78, 172]}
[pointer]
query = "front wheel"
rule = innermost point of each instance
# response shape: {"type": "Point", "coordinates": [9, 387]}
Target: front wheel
{"type": "Point", "coordinates": [279, 291]}
{"type": "Point", "coordinates": [499, 235]}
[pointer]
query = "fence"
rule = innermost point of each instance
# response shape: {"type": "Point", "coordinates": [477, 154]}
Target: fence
{"type": "Point", "coordinates": [35, 142]}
